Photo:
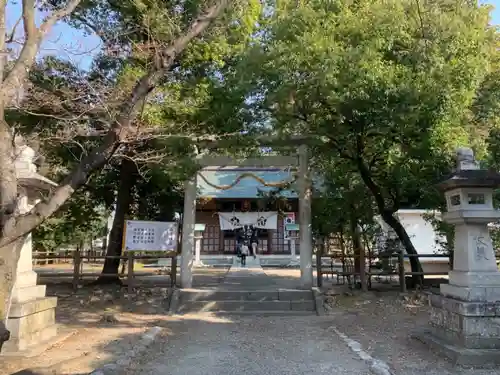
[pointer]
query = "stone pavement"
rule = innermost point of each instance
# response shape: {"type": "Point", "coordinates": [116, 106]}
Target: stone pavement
{"type": "Point", "coordinates": [253, 277]}
{"type": "Point", "coordinates": [210, 344]}
{"type": "Point", "coordinates": [206, 345]}
{"type": "Point", "coordinates": [247, 278]}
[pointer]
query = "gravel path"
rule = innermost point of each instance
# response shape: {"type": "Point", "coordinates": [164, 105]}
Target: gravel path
{"type": "Point", "coordinates": [205, 345]}
{"type": "Point", "coordinates": [382, 324]}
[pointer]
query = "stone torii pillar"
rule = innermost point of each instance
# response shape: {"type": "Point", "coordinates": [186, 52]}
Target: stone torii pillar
{"type": "Point", "coordinates": [188, 233]}
{"type": "Point", "coordinates": [305, 229]}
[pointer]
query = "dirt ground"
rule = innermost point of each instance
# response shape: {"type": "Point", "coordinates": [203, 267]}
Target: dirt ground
{"type": "Point", "coordinates": [382, 322]}
{"type": "Point", "coordinates": [104, 322]}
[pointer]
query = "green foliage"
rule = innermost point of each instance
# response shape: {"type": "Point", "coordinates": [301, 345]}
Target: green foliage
{"type": "Point", "coordinates": [392, 85]}
{"type": "Point", "coordinates": [189, 103]}
{"type": "Point", "coordinates": [343, 197]}
{"type": "Point", "coordinates": [78, 221]}
{"type": "Point", "coordinates": [495, 239]}
{"type": "Point", "coordinates": [159, 195]}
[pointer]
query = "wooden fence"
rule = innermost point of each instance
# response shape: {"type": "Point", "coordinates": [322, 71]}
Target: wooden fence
{"type": "Point", "coordinates": [392, 264]}
{"type": "Point", "coordinates": [77, 259]}
{"type": "Point", "coordinates": [51, 257]}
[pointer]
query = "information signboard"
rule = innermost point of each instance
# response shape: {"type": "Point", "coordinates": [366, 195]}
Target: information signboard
{"type": "Point", "coordinates": [150, 236]}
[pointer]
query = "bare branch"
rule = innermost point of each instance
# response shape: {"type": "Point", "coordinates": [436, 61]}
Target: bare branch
{"type": "Point", "coordinates": [206, 141]}
{"type": "Point", "coordinates": [58, 15]}
{"type": "Point", "coordinates": [8, 182]}
{"type": "Point", "coordinates": [120, 129]}
{"type": "Point", "coordinates": [421, 20]}
{"type": "Point", "coordinates": [12, 34]}
{"type": "Point", "coordinates": [16, 77]}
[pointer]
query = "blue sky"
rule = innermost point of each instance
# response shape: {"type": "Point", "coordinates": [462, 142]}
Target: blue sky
{"type": "Point", "coordinates": [63, 40]}
{"type": "Point", "coordinates": [72, 44]}
{"type": "Point", "coordinates": [496, 12]}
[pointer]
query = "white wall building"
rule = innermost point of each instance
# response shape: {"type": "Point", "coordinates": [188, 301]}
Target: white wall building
{"type": "Point", "coordinates": [423, 237]}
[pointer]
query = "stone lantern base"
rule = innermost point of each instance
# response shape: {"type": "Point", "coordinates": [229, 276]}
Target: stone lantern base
{"type": "Point", "coordinates": [31, 318]}
{"type": "Point", "coordinates": [31, 324]}
{"type": "Point", "coordinates": [468, 333]}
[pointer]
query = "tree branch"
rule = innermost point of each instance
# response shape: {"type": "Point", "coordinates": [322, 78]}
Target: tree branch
{"type": "Point", "coordinates": [29, 19]}
{"type": "Point", "coordinates": [370, 184]}
{"type": "Point", "coordinates": [396, 199]}
{"type": "Point", "coordinates": [207, 141]}
{"type": "Point", "coordinates": [12, 34]}
{"type": "Point", "coordinates": [8, 183]}
{"type": "Point", "coordinates": [421, 20]}
{"type": "Point", "coordinates": [16, 77]}
{"type": "Point", "coordinates": [375, 157]}
{"type": "Point", "coordinates": [120, 128]}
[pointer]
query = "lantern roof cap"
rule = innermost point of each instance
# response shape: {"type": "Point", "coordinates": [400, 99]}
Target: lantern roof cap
{"type": "Point", "coordinates": [469, 174]}
{"type": "Point", "coordinates": [482, 178]}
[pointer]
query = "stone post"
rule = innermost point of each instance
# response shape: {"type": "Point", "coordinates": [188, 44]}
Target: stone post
{"type": "Point", "coordinates": [188, 233]}
{"type": "Point", "coordinates": [465, 315]}
{"type": "Point", "coordinates": [198, 238]}
{"type": "Point", "coordinates": [197, 250]}
{"type": "Point", "coordinates": [293, 253]}
{"type": "Point", "coordinates": [32, 315]}
{"type": "Point", "coordinates": [293, 250]}
{"type": "Point", "coordinates": [305, 230]}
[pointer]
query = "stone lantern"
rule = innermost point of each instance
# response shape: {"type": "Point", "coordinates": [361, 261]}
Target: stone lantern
{"type": "Point", "coordinates": [32, 315]}
{"type": "Point", "coordinates": [465, 315]}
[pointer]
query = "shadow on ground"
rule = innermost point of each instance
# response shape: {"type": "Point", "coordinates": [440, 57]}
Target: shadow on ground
{"type": "Point", "coordinates": [80, 362]}
{"type": "Point", "coordinates": [105, 320]}
{"type": "Point", "coordinates": [108, 321]}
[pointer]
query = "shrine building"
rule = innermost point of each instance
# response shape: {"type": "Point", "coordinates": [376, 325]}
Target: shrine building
{"type": "Point", "coordinates": [269, 193]}
{"type": "Point", "coordinates": [265, 192]}
{"type": "Point", "coordinates": [245, 194]}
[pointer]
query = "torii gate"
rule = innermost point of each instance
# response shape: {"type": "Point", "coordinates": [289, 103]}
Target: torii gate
{"type": "Point", "coordinates": [301, 160]}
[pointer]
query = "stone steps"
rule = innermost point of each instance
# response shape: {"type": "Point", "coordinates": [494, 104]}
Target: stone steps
{"type": "Point", "coordinates": [257, 302]}
{"type": "Point", "coordinates": [265, 313]}
{"type": "Point", "coordinates": [246, 295]}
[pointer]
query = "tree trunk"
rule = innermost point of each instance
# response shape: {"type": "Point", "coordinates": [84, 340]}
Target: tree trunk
{"type": "Point", "coordinates": [369, 252]}
{"type": "Point", "coordinates": [9, 257]}
{"type": "Point", "coordinates": [122, 126]}
{"type": "Point", "coordinates": [408, 245]}
{"type": "Point", "coordinates": [359, 251]}
{"type": "Point", "coordinates": [14, 227]}
{"type": "Point", "coordinates": [388, 216]}
{"type": "Point", "coordinates": [342, 249]}
{"type": "Point", "coordinates": [123, 201]}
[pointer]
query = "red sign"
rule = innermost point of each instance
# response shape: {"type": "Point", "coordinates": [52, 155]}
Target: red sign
{"type": "Point", "coordinates": [245, 206]}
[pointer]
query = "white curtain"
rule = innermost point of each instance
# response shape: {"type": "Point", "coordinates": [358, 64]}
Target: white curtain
{"type": "Point", "coordinates": [234, 220]}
